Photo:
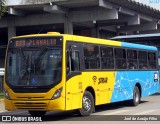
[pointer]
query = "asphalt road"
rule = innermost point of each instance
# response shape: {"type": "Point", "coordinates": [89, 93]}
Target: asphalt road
{"type": "Point", "coordinates": [149, 108]}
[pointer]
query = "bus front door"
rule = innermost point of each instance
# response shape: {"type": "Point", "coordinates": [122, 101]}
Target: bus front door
{"type": "Point", "coordinates": [73, 79]}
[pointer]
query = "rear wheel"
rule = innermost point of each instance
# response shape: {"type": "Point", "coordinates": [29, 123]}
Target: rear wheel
{"type": "Point", "coordinates": [37, 113]}
{"type": "Point", "coordinates": [136, 96]}
{"type": "Point", "coordinates": [87, 104]}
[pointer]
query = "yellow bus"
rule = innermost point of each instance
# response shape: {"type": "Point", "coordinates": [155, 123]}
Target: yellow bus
{"type": "Point", "coordinates": [53, 71]}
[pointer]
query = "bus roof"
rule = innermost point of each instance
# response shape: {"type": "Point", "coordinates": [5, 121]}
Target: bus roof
{"type": "Point", "coordinates": [138, 46]}
{"type": "Point", "coordinates": [136, 36]}
{"type": "Point", "coordinates": [94, 41]}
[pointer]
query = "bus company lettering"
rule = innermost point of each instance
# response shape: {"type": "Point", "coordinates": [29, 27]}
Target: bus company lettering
{"type": "Point", "coordinates": [35, 42]}
{"type": "Point", "coordinates": [103, 80]}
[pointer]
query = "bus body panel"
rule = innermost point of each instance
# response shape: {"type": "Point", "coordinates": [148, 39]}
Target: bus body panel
{"type": "Point", "coordinates": [101, 82]}
{"type": "Point", "coordinates": [126, 81]}
{"type": "Point", "coordinates": [74, 93]}
{"type": "Point", "coordinates": [44, 105]}
{"type": "Point", "coordinates": [138, 46]}
{"type": "Point", "coordinates": [29, 101]}
{"type": "Point", "coordinates": [96, 41]}
{"type": "Point", "coordinates": [112, 87]}
{"type": "Point", "coordinates": [9, 105]}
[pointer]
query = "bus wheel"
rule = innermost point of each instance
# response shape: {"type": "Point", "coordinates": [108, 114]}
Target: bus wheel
{"type": "Point", "coordinates": [136, 96]}
{"type": "Point", "coordinates": [37, 113]}
{"type": "Point", "coordinates": [87, 104]}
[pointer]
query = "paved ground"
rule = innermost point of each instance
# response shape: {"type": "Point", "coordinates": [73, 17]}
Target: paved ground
{"type": "Point", "coordinates": [149, 107]}
{"type": "Point", "coordinates": [2, 106]}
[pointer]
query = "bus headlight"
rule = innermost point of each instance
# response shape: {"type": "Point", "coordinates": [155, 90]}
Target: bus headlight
{"type": "Point", "coordinates": [57, 94]}
{"type": "Point", "coordinates": [6, 94]}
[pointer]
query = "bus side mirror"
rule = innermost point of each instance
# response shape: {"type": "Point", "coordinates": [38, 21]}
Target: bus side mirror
{"type": "Point", "coordinates": [68, 63]}
{"type": "Point", "coordinates": [67, 70]}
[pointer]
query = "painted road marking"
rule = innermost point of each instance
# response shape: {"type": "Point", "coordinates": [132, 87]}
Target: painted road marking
{"type": "Point", "coordinates": [145, 112]}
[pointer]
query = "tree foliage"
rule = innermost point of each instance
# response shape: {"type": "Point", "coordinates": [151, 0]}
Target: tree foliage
{"type": "Point", "coordinates": [3, 7]}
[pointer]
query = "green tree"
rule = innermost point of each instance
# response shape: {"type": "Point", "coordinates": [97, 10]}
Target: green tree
{"type": "Point", "coordinates": [3, 7]}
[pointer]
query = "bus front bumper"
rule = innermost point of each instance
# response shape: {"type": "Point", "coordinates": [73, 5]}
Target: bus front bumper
{"type": "Point", "coordinates": [37, 105]}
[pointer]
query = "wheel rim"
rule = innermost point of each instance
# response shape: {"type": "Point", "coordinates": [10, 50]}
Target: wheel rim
{"type": "Point", "coordinates": [86, 103]}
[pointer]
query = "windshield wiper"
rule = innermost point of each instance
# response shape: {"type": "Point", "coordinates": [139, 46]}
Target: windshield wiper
{"type": "Point", "coordinates": [23, 72]}
{"type": "Point", "coordinates": [23, 56]}
{"type": "Point", "coordinates": [39, 56]}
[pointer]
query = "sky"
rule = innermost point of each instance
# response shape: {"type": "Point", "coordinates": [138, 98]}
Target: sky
{"type": "Point", "coordinates": [153, 3]}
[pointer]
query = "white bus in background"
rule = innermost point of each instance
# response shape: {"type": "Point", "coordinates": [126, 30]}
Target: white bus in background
{"type": "Point", "coordinates": [146, 39]}
{"type": "Point", "coordinates": [1, 80]}
{"type": "Point", "coordinates": [1, 71]}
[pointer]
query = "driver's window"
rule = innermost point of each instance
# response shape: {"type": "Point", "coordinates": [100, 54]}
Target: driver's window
{"type": "Point", "coordinates": [75, 61]}
{"type": "Point", "coordinates": [68, 63]}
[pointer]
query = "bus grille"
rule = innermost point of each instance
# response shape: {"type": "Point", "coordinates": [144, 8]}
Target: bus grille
{"type": "Point", "coordinates": [31, 105]}
{"type": "Point", "coordinates": [30, 97]}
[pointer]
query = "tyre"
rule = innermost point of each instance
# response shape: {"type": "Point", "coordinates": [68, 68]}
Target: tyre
{"type": "Point", "coordinates": [87, 104]}
{"type": "Point", "coordinates": [37, 113]}
{"type": "Point", "coordinates": [136, 96]}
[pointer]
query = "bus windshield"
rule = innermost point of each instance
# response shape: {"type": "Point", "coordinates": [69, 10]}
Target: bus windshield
{"type": "Point", "coordinates": [34, 66]}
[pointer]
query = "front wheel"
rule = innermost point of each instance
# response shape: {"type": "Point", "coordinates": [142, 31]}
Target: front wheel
{"type": "Point", "coordinates": [136, 96]}
{"type": "Point", "coordinates": [37, 113]}
{"type": "Point", "coordinates": [87, 104]}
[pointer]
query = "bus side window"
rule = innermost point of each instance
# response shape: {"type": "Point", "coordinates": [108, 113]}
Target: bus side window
{"type": "Point", "coordinates": [142, 57]}
{"type": "Point", "coordinates": [152, 60]}
{"type": "Point", "coordinates": [91, 57]}
{"type": "Point", "coordinates": [132, 59]}
{"type": "Point", "coordinates": [107, 58]}
{"type": "Point", "coordinates": [75, 63]}
{"type": "Point", "coordinates": [67, 63]}
{"type": "Point", "coordinates": [120, 55]}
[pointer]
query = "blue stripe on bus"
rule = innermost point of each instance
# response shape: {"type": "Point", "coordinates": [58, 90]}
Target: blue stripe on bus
{"type": "Point", "coordinates": [126, 81]}
{"type": "Point", "coordinates": [138, 46]}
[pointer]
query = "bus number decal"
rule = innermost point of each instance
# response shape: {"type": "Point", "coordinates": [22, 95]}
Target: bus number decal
{"type": "Point", "coordinates": [155, 77]}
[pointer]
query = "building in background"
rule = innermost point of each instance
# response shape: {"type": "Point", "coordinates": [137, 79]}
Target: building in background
{"type": "Point", "coordinates": [152, 3]}
{"type": "Point", "coordinates": [95, 18]}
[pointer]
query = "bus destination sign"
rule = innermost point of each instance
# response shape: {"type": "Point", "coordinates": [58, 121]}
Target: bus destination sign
{"type": "Point", "coordinates": [36, 42]}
